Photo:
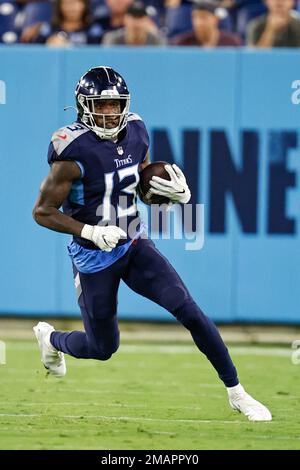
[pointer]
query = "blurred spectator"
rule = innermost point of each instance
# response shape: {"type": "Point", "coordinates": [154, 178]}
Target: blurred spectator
{"type": "Point", "coordinates": [243, 12]}
{"type": "Point", "coordinates": [34, 12]}
{"type": "Point", "coordinates": [17, 14]}
{"type": "Point", "coordinates": [177, 3]}
{"type": "Point", "coordinates": [177, 17]}
{"type": "Point", "coordinates": [280, 27]}
{"type": "Point", "coordinates": [25, 2]}
{"type": "Point", "coordinates": [111, 13]}
{"type": "Point", "coordinates": [227, 3]}
{"type": "Point", "coordinates": [71, 24]}
{"type": "Point", "coordinates": [138, 29]}
{"type": "Point", "coordinates": [206, 31]}
{"type": "Point", "coordinates": [113, 16]}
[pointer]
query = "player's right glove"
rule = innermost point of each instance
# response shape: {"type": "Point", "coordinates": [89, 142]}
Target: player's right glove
{"type": "Point", "coordinates": [175, 189]}
{"type": "Point", "coordinates": [106, 238]}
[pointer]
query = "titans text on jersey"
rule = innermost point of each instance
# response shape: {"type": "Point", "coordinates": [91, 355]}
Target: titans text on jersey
{"type": "Point", "coordinates": [106, 192]}
{"type": "Point", "coordinates": [109, 170]}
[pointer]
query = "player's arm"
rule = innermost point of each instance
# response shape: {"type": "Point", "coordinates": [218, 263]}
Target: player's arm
{"type": "Point", "coordinates": [146, 162]}
{"type": "Point", "coordinates": [53, 191]}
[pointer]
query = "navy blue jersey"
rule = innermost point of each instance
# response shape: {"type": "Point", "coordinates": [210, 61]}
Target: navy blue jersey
{"type": "Point", "coordinates": [106, 192]}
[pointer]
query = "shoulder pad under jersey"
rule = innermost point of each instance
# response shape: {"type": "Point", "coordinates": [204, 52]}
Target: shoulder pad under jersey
{"type": "Point", "coordinates": [65, 136]}
{"type": "Point", "coordinates": [134, 117]}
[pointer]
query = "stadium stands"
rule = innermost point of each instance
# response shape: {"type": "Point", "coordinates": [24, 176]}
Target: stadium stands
{"type": "Point", "coordinates": [246, 14]}
{"type": "Point", "coordinates": [8, 14]}
{"type": "Point", "coordinates": [15, 17]}
{"type": "Point", "coordinates": [36, 12]}
{"type": "Point", "coordinates": [178, 20]}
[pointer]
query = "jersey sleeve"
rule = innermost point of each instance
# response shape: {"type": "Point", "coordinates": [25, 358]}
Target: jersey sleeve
{"type": "Point", "coordinates": [64, 146]}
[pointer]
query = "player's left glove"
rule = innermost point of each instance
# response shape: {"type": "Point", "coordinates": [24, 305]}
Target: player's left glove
{"type": "Point", "coordinates": [176, 189]}
{"type": "Point", "coordinates": [106, 238]}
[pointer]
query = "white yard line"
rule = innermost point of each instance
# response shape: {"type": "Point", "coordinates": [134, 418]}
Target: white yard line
{"type": "Point", "coordinates": [91, 404]}
{"type": "Point", "coordinates": [84, 391]}
{"type": "Point", "coordinates": [125, 418]}
{"type": "Point", "coordinates": [169, 349]}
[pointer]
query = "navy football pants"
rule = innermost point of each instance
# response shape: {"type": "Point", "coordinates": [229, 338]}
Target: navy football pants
{"type": "Point", "coordinates": [148, 273]}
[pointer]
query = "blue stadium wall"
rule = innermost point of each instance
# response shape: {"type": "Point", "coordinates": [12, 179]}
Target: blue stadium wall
{"type": "Point", "coordinates": [227, 117]}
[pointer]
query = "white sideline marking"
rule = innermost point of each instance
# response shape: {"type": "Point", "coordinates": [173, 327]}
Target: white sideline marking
{"type": "Point", "coordinates": [260, 351]}
{"type": "Point", "coordinates": [128, 392]}
{"type": "Point", "coordinates": [127, 418]}
{"type": "Point", "coordinates": [113, 405]}
{"type": "Point", "coordinates": [182, 349]}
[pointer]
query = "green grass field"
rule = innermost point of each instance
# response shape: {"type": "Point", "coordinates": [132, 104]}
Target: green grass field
{"type": "Point", "coordinates": [149, 396]}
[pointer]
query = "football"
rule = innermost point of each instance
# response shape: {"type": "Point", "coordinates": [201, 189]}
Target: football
{"type": "Point", "coordinates": [153, 169]}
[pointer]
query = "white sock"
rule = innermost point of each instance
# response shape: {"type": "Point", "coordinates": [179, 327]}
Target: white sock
{"type": "Point", "coordinates": [48, 342]}
{"type": "Point", "coordinates": [236, 390]}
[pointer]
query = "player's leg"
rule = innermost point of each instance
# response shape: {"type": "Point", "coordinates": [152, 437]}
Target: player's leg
{"type": "Point", "coordinates": [97, 299]}
{"type": "Point", "coordinates": [151, 275]}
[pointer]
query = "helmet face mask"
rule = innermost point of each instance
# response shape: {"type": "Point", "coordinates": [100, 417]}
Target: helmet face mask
{"type": "Point", "coordinates": [98, 87]}
{"type": "Point", "coordinates": [102, 127]}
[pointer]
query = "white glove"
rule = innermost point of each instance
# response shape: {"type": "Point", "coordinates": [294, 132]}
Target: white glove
{"type": "Point", "coordinates": [106, 238]}
{"type": "Point", "coordinates": [176, 190]}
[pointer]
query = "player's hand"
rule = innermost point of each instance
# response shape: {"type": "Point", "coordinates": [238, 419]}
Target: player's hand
{"type": "Point", "coordinates": [106, 238]}
{"type": "Point", "coordinates": [175, 189]}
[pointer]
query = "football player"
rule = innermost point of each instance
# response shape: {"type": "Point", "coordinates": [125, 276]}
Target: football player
{"type": "Point", "coordinates": [94, 172]}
